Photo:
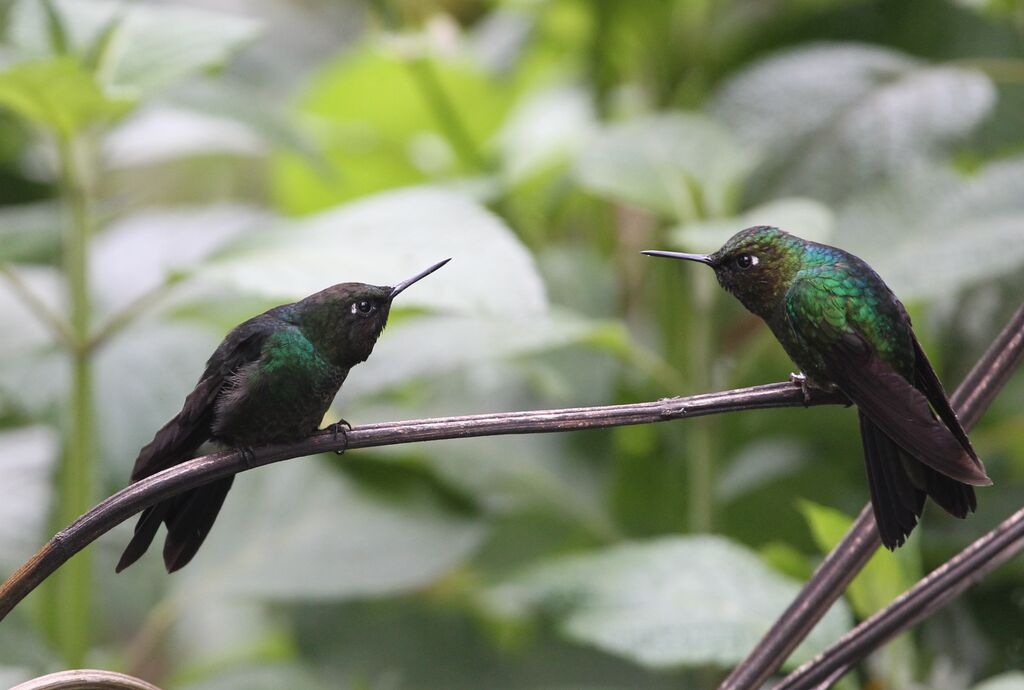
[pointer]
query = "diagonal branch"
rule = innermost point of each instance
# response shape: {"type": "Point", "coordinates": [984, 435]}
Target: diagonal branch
{"type": "Point", "coordinates": [207, 468]}
{"type": "Point", "coordinates": [970, 400]}
{"type": "Point", "coordinates": [930, 594]}
{"type": "Point", "coordinates": [51, 319]}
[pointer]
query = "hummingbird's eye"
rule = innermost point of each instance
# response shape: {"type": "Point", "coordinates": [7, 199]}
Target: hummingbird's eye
{"type": "Point", "coordinates": [745, 261]}
{"type": "Point", "coordinates": [363, 307]}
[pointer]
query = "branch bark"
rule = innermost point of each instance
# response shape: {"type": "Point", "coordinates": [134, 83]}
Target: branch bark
{"type": "Point", "coordinates": [207, 468]}
{"type": "Point", "coordinates": [970, 400]}
{"type": "Point", "coordinates": [930, 594]}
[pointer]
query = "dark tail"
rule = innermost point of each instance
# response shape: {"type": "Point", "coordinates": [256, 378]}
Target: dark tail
{"type": "Point", "coordinates": [190, 515]}
{"type": "Point", "coordinates": [189, 518]}
{"type": "Point", "coordinates": [899, 484]}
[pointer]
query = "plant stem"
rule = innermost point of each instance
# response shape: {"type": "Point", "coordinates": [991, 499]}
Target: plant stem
{"type": "Point", "coordinates": [72, 587]}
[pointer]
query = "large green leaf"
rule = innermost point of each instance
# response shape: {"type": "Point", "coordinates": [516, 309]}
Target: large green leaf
{"type": "Point", "coordinates": [27, 459]}
{"type": "Point", "coordinates": [151, 46]}
{"type": "Point", "coordinates": [683, 166]}
{"type": "Point", "coordinates": [674, 601]}
{"type": "Point", "coordinates": [386, 238]}
{"type": "Point", "coordinates": [57, 93]}
{"type": "Point", "coordinates": [133, 397]}
{"type": "Point", "coordinates": [934, 231]}
{"type": "Point", "coordinates": [434, 344]}
{"type": "Point", "coordinates": [379, 138]}
{"type": "Point", "coordinates": [140, 252]}
{"type": "Point", "coordinates": [833, 118]}
{"type": "Point", "coordinates": [301, 531]}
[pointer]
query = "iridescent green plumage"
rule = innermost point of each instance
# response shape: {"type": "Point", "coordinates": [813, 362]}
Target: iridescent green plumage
{"type": "Point", "coordinates": [270, 381]}
{"type": "Point", "coordinates": [844, 328]}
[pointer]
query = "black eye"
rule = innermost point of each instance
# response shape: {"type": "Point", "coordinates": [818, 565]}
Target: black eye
{"type": "Point", "coordinates": [745, 261]}
{"type": "Point", "coordinates": [363, 307]}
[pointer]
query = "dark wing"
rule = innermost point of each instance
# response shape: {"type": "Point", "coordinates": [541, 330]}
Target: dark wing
{"type": "Point", "coordinates": [898, 409]}
{"type": "Point", "coordinates": [189, 516]}
{"type": "Point", "coordinates": [881, 393]}
{"type": "Point", "coordinates": [926, 381]}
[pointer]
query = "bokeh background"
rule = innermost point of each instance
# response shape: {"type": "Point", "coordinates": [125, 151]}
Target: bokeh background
{"type": "Point", "coordinates": [170, 169]}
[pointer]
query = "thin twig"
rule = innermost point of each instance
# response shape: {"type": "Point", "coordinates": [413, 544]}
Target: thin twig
{"type": "Point", "coordinates": [126, 316]}
{"type": "Point", "coordinates": [849, 557]}
{"type": "Point", "coordinates": [51, 319]}
{"type": "Point", "coordinates": [207, 468]}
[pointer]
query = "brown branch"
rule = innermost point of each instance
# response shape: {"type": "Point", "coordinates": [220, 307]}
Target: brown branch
{"type": "Point", "coordinates": [207, 468]}
{"type": "Point", "coordinates": [85, 679]}
{"type": "Point", "coordinates": [970, 400]}
{"type": "Point", "coordinates": [930, 594]}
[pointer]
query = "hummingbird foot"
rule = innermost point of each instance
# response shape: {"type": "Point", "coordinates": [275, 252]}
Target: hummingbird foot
{"type": "Point", "coordinates": [248, 456]}
{"type": "Point", "coordinates": [336, 430]}
{"type": "Point", "coordinates": [800, 379]}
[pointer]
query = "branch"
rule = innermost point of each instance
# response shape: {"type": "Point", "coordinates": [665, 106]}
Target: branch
{"type": "Point", "coordinates": [849, 557]}
{"type": "Point", "coordinates": [85, 679]}
{"type": "Point", "coordinates": [208, 468]}
{"type": "Point", "coordinates": [937, 589]}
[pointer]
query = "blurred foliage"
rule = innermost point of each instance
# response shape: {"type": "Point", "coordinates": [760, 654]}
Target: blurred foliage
{"type": "Point", "coordinates": [239, 155]}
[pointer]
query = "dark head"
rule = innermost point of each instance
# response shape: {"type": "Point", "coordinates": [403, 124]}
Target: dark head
{"type": "Point", "coordinates": [756, 265]}
{"type": "Point", "coordinates": [345, 320]}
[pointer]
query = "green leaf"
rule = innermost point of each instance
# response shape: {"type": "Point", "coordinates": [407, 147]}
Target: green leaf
{"type": "Point", "coordinates": [145, 47]}
{"type": "Point", "coordinates": [379, 138]}
{"type": "Point", "coordinates": [135, 398]}
{"type": "Point", "coordinates": [674, 601]}
{"type": "Point", "coordinates": [1014, 680]}
{"type": "Point", "coordinates": [807, 218]}
{"type": "Point", "coordinates": [834, 118]}
{"type": "Point", "coordinates": [57, 93]}
{"type": "Point", "coordinates": [937, 222]}
{"type": "Point", "coordinates": [386, 238]}
{"type": "Point", "coordinates": [317, 536]}
{"type": "Point", "coordinates": [27, 459]}
{"type": "Point", "coordinates": [683, 166]}
{"type": "Point", "coordinates": [887, 574]}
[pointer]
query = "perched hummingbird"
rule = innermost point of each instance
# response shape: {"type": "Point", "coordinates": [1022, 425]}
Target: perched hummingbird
{"type": "Point", "coordinates": [270, 381]}
{"type": "Point", "coordinates": [843, 326]}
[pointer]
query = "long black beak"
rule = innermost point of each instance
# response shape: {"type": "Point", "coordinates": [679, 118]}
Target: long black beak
{"type": "Point", "coordinates": [700, 258]}
{"type": "Point", "coordinates": [419, 276]}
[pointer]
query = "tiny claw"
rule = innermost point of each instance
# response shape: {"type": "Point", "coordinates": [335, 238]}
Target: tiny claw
{"type": "Point", "coordinates": [248, 456]}
{"type": "Point", "coordinates": [336, 429]}
{"type": "Point", "coordinates": [800, 379]}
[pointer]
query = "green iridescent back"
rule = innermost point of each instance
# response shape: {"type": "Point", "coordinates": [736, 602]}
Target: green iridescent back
{"type": "Point", "coordinates": [835, 293]}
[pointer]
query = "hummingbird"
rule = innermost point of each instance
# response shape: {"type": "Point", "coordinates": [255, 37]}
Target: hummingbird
{"type": "Point", "coordinates": [845, 329]}
{"type": "Point", "coordinates": [271, 380]}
